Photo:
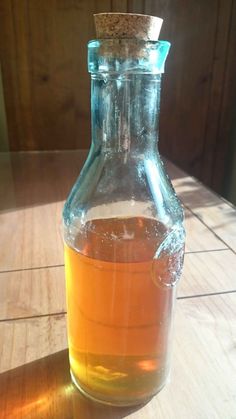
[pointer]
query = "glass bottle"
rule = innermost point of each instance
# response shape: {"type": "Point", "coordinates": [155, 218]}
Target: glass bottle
{"type": "Point", "coordinates": [123, 232]}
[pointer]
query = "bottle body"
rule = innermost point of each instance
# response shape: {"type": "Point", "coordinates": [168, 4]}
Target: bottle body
{"type": "Point", "coordinates": [124, 245]}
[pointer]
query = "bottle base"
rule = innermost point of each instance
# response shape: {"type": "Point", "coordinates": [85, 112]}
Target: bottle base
{"type": "Point", "coordinates": [116, 403]}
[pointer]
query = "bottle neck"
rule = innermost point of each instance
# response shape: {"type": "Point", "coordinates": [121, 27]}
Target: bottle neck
{"type": "Point", "coordinates": [125, 112]}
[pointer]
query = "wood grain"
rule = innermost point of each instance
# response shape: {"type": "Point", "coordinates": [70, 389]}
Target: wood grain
{"type": "Point", "coordinates": [199, 85]}
{"type": "Point", "coordinates": [119, 6]}
{"type": "Point", "coordinates": [42, 291]}
{"type": "Point", "coordinates": [8, 54]}
{"type": "Point", "coordinates": [34, 368]}
{"type": "Point", "coordinates": [31, 214]}
{"type": "Point", "coordinates": [218, 90]}
{"type": "Point", "coordinates": [35, 379]}
{"type": "Point", "coordinates": [208, 272]}
{"type": "Point", "coordinates": [135, 6]}
{"type": "Point", "coordinates": [33, 191]}
{"type": "Point", "coordinates": [216, 213]}
{"type": "Point", "coordinates": [198, 236]}
{"type": "Point", "coordinates": [33, 179]}
{"type": "Point", "coordinates": [225, 137]}
{"type": "Point", "coordinates": [32, 293]}
{"type": "Point", "coordinates": [47, 88]}
{"type": "Point", "coordinates": [185, 98]}
{"type": "Point", "coordinates": [25, 341]}
{"type": "Point", "coordinates": [31, 237]}
{"type": "Point", "coordinates": [45, 71]}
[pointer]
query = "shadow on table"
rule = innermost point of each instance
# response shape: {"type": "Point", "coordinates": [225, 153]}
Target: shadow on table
{"type": "Point", "coordinates": [43, 389]}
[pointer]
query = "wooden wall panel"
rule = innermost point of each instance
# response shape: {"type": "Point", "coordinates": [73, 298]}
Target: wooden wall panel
{"type": "Point", "coordinates": [136, 6]}
{"type": "Point", "coordinates": [227, 126]}
{"type": "Point", "coordinates": [190, 27]}
{"type": "Point", "coordinates": [194, 84]}
{"type": "Point", "coordinates": [221, 52]}
{"type": "Point", "coordinates": [119, 6]}
{"type": "Point", "coordinates": [9, 73]}
{"type": "Point", "coordinates": [45, 75]}
{"type": "Point", "coordinates": [43, 54]}
{"type": "Point", "coordinates": [43, 50]}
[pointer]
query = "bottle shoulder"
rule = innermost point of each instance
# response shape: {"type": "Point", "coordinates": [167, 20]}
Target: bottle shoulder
{"type": "Point", "coordinates": [124, 184]}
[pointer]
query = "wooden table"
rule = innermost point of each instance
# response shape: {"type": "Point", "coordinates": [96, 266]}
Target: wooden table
{"type": "Point", "coordinates": [34, 379]}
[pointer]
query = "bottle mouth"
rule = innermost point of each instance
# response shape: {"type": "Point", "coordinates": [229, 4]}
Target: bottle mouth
{"type": "Point", "coordinates": [112, 55]}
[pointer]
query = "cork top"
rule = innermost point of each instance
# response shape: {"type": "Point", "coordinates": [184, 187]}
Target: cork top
{"type": "Point", "coordinates": [127, 25]}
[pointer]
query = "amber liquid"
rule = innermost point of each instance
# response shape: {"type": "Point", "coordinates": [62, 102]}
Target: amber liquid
{"type": "Point", "coordinates": [119, 317]}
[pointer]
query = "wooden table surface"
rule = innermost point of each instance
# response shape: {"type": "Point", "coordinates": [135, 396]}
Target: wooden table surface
{"type": "Point", "coordinates": [34, 370]}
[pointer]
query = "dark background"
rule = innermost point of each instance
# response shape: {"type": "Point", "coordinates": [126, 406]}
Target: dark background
{"type": "Point", "coordinates": [45, 89]}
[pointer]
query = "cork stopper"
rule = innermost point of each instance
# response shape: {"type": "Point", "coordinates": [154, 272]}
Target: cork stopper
{"type": "Point", "coordinates": [127, 25]}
